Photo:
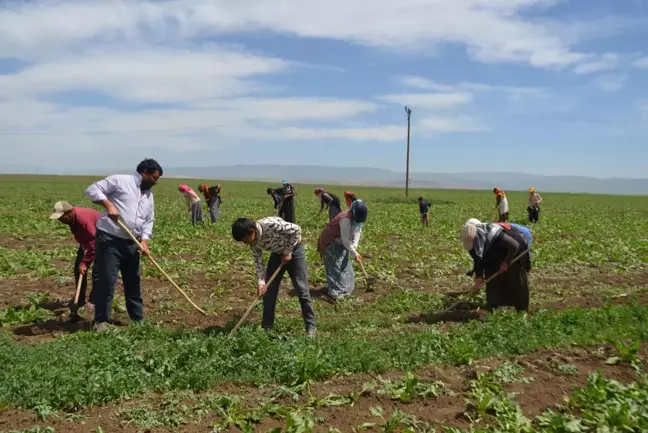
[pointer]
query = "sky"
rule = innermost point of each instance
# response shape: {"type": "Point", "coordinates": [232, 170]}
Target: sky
{"type": "Point", "coordinates": [553, 87]}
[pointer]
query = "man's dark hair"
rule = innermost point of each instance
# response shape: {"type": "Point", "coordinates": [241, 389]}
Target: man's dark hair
{"type": "Point", "coordinates": [149, 166]}
{"type": "Point", "coordinates": [420, 199]}
{"type": "Point", "coordinates": [241, 228]}
{"type": "Point", "coordinates": [269, 190]}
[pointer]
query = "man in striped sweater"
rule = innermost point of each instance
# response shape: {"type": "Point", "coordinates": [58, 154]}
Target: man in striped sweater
{"type": "Point", "coordinates": [283, 240]}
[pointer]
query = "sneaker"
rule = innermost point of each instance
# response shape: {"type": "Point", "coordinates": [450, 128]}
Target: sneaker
{"type": "Point", "coordinates": [101, 327]}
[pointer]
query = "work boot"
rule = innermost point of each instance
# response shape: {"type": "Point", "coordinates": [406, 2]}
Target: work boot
{"type": "Point", "coordinates": [101, 328]}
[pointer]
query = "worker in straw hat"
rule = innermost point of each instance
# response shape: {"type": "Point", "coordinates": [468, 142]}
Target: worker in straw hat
{"type": "Point", "coordinates": [533, 207]}
{"type": "Point", "coordinates": [330, 201]}
{"type": "Point", "coordinates": [493, 248]}
{"type": "Point", "coordinates": [82, 222]}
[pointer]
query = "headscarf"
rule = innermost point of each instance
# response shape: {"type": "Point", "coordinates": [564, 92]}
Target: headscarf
{"type": "Point", "coordinates": [318, 191]}
{"type": "Point", "coordinates": [479, 237]}
{"type": "Point", "coordinates": [205, 190]}
{"type": "Point", "coordinates": [532, 190]}
{"type": "Point", "coordinates": [184, 188]}
{"type": "Point", "coordinates": [359, 211]}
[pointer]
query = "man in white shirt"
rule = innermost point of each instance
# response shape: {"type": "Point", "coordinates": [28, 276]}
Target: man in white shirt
{"type": "Point", "coordinates": [127, 197]}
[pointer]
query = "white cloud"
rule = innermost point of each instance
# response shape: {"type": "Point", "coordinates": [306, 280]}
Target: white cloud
{"type": "Point", "coordinates": [606, 62]}
{"type": "Point", "coordinates": [429, 100]}
{"type": "Point", "coordinates": [39, 28]}
{"type": "Point", "coordinates": [450, 124]}
{"type": "Point", "coordinates": [514, 92]}
{"type": "Point", "coordinates": [641, 63]}
{"type": "Point", "coordinates": [611, 82]}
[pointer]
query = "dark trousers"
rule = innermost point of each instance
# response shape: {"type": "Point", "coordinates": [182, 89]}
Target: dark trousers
{"type": "Point", "coordinates": [196, 213]}
{"type": "Point", "coordinates": [509, 289]}
{"type": "Point", "coordinates": [115, 255]}
{"type": "Point", "coordinates": [84, 283]}
{"type": "Point", "coordinates": [287, 211]}
{"type": "Point", "coordinates": [534, 214]}
{"type": "Point", "coordinates": [214, 208]}
{"type": "Point", "coordinates": [299, 275]}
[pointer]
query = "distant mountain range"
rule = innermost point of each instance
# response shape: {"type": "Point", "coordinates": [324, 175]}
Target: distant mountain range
{"type": "Point", "coordinates": [363, 176]}
{"type": "Point", "coordinates": [378, 177]}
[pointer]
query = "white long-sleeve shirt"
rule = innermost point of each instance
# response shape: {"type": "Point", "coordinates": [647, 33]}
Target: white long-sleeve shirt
{"type": "Point", "coordinates": [135, 208]}
{"type": "Point", "coordinates": [350, 236]}
{"type": "Point", "coordinates": [191, 197]}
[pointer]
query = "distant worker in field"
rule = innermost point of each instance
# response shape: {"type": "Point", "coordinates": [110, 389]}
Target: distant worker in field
{"type": "Point", "coordinates": [287, 204]}
{"type": "Point", "coordinates": [350, 198]}
{"type": "Point", "coordinates": [331, 201]}
{"type": "Point", "coordinates": [82, 222]}
{"type": "Point", "coordinates": [337, 244]}
{"type": "Point", "coordinates": [212, 199]}
{"type": "Point", "coordinates": [501, 203]}
{"type": "Point", "coordinates": [125, 197]}
{"type": "Point", "coordinates": [283, 240]}
{"type": "Point", "coordinates": [276, 194]}
{"type": "Point", "coordinates": [533, 207]}
{"type": "Point", "coordinates": [493, 247]}
{"type": "Point", "coordinates": [193, 203]}
{"type": "Point", "coordinates": [424, 210]}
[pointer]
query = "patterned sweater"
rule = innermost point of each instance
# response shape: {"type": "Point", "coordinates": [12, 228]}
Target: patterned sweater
{"type": "Point", "coordinates": [275, 235]}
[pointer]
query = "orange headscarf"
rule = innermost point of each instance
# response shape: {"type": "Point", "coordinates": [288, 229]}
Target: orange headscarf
{"type": "Point", "coordinates": [205, 190]}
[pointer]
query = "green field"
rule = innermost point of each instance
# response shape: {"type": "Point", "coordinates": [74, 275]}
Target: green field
{"type": "Point", "coordinates": [368, 369]}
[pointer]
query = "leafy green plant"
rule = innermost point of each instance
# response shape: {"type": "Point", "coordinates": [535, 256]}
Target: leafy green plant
{"type": "Point", "coordinates": [409, 387]}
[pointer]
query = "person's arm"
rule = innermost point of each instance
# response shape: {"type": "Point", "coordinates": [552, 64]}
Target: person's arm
{"type": "Point", "coordinates": [321, 203]}
{"type": "Point", "coordinates": [539, 198]}
{"type": "Point", "coordinates": [147, 227]}
{"type": "Point", "coordinates": [89, 254]}
{"type": "Point", "coordinates": [257, 254]}
{"type": "Point", "coordinates": [511, 246]}
{"type": "Point", "coordinates": [345, 236]}
{"type": "Point", "coordinates": [99, 191]}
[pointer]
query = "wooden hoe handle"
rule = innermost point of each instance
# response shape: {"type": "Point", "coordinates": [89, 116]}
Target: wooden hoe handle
{"type": "Point", "coordinates": [251, 306]}
{"type": "Point", "coordinates": [123, 226]}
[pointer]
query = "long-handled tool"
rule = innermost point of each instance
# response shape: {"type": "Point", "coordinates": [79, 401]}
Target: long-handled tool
{"type": "Point", "coordinates": [368, 279]}
{"type": "Point", "coordinates": [123, 226]}
{"type": "Point", "coordinates": [496, 274]}
{"type": "Point", "coordinates": [256, 300]}
{"type": "Point", "coordinates": [78, 290]}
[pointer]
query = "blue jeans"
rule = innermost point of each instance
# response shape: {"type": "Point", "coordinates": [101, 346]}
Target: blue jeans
{"type": "Point", "coordinates": [299, 275]}
{"type": "Point", "coordinates": [114, 255]}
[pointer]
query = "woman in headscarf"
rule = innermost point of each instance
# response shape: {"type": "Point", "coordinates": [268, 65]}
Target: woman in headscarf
{"type": "Point", "coordinates": [533, 208]}
{"type": "Point", "coordinates": [330, 200]}
{"type": "Point", "coordinates": [493, 248]}
{"type": "Point", "coordinates": [193, 203]}
{"type": "Point", "coordinates": [350, 197]}
{"type": "Point", "coordinates": [213, 200]}
{"type": "Point", "coordinates": [337, 244]}
{"type": "Point", "coordinates": [501, 203]}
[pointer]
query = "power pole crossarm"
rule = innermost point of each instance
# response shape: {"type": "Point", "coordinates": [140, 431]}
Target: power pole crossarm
{"type": "Point", "coordinates": [409, 115]}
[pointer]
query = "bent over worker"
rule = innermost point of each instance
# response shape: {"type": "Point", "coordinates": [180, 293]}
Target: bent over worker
{"type": "Point", "coordinates": [283, 240]}
{"type": "Point", "coordinates": [337, 244]}
{"type": "Point", "coordinates": [82, 222]}
{"type": "Point", "coordinates": [125, 197]}
{"type": "Point", "coordinates": [493, 248]}
{"type": "Point", "coordinates": [501, 203]}
{"type": "Point", "coordinates": [193, 203]}
{"type": "Point", "coordinates": [212, 199]}
{"type": "Point", "coordinates": [330, 201]}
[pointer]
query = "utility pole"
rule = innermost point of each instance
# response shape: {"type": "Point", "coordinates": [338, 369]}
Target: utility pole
{"type": "Point", "coordinates": [409, 115]}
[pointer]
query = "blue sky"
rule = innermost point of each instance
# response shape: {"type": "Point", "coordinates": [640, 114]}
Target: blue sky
{"type": "Point", "coordinates": [537, 86]}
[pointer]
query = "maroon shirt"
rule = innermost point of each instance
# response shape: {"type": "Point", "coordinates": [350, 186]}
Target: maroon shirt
{"type": "Point", "coordinates": [84, 228]}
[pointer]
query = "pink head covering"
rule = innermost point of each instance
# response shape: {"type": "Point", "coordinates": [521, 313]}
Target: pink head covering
{"type": "Point", "coordinates": [184, 188]}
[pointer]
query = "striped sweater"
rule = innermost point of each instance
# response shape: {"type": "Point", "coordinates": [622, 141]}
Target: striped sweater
{"type": "Point", "coordinates": [275, 235]}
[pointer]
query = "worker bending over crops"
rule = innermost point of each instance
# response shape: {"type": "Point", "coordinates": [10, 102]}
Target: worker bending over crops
{"type": "Point", "coordinates": [337, 244]}
{"type": "Point", "coordinates": [424, 210]}
{"type": "Point", "coordinates": [212, 199]}
{"type": "Point", "coordinates": [287, 204]}
{"type": "Point", "coordinates": [276, 194]}
{"type": "Point", "coordinates": [501, 203]}
{"type": "Point", "coordinates": [193, 203]}
{"type": "Point", "coordinates": [82, 222]}
{"type": "Point", "coordinates": [493, 247]}
{"type": "Point", "coordinates": [350, 197]}
{"type": "Point", "coordinates": [283, 240]}
{"type": "Point", "coordinates": [331, 201]}
{"type": "Point", "coordinates": [125, 197]}
{"type": "Point", "coordinates": [533, 207]}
